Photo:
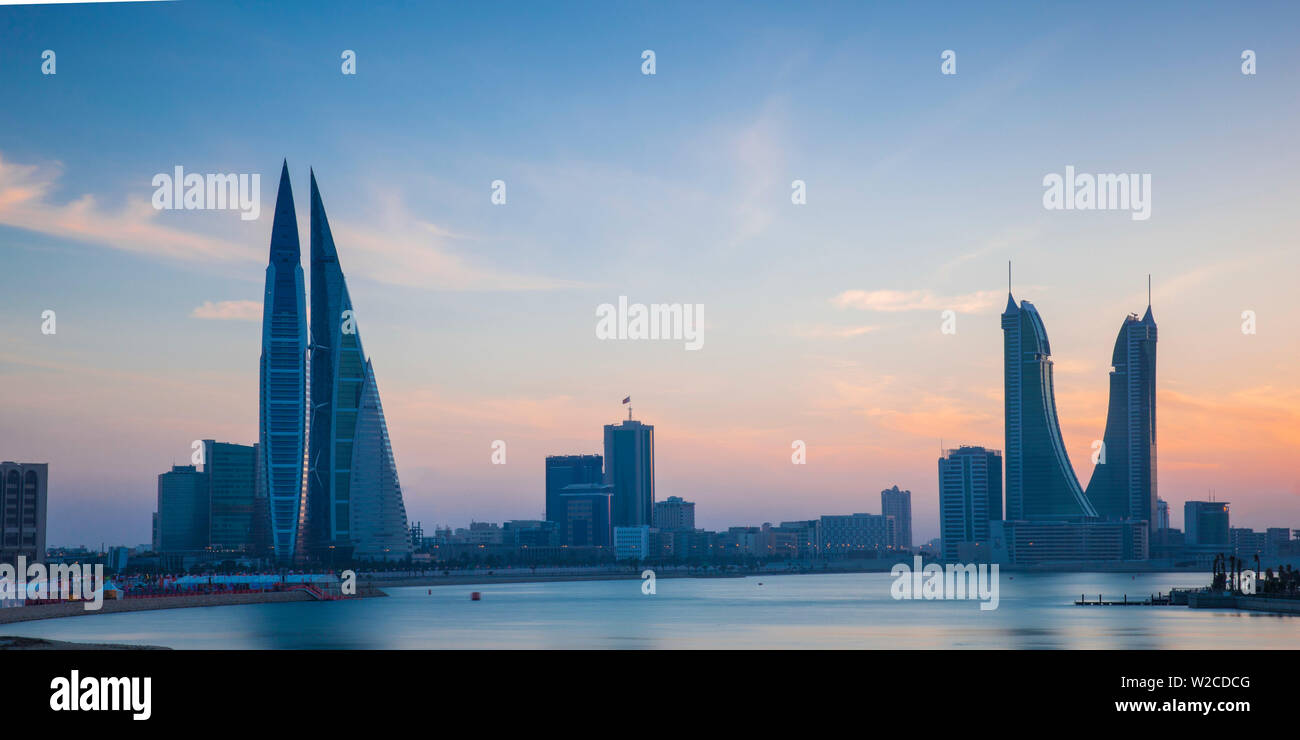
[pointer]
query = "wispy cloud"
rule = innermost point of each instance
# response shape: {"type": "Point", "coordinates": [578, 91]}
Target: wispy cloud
{"type": "Point", "coordinates": [396, 249]}
{"type": "Point", "coordinates": [893, 301]}
{"type": "Point", "coordinates": [228, 311]}
{"type": "Point", "coordinates": [26, 203]}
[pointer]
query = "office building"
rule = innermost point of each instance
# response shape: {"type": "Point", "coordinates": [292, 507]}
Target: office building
{"type": "Point", "coordinates": [1031, 543]}
{"type": "Point", "coordinates": [25, 496]}
{"type": "Point", "coordinates": [1206, 523]}
{"type": "Point", "coordinates": [233, 506]}
{"type": "Point", "coordinates": [673, 514]}
{"type": "Point", "coordinates": [282, 409]}
{"type": "Point", "coordinates": [1040, 483]}
{"type": "Point", "coordinates": [182, 510]}
{"type": "Point", "coordinates": [634, 543]}
{"type": "Point", "coordinates": [856, 534]}
{"type": "Point", "coordinates": [355, 507]}
{"type": "Point", "coordinates": [1123, 484]}
{"type": "Point", "coordinates": [568, 470]}
{"type": "Point", "coordinates": [970, 496]}
{"type": "Point", "coordinates": [898, 504]}
{"type": "Point", "coordinates": [630, 469]}
{"type": "Point", "coordinates": [584, 511]}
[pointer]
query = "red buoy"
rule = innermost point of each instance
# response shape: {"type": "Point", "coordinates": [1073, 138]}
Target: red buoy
{"type": "Point", "coordinates": [475, 596]}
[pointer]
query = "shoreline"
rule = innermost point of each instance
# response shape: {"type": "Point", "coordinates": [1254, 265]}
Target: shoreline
{"type": "Point", "coordinates": [15, 614]}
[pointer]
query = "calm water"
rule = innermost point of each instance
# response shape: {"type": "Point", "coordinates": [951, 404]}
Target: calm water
{"type": "Point", "coordinates": [801, 611]}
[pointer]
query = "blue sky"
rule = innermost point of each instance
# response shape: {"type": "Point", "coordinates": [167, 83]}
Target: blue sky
{"type": "Point", "coordinates": [666, 188]}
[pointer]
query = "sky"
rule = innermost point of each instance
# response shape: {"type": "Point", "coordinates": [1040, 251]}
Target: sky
{"type": "Point", "coordinates": [823, 320]}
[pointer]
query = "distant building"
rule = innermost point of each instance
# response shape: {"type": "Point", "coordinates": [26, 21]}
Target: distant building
{"type": "Point", "coordinates": [674, 514]}
{"type": "Point", "coordinates": [117, 559]}
{"type": "Point", "coordinates": [1247, 543]}
{"type": "Point", "coordinates": [569, 470]}
{"type": "Point", "coordinates": [583, 511]}
{"type": "Point", "coordinates": [1206, 523]}
{"type": "Point", "coordinates": [231, 473]}
{"type": "Point", "coordinates": [807, 536]}
{"type": "Point", "coordinates": [850, 534]}
{"type": "Point", "coordinates": [630, 469]}
{"type": "Point", "coordinates": [182, 510]}
{"type": "Point", "coordinates": [1029, 543]}
{"type": "Point", "coordinates": [1162, 514]}
{"type": "Point", "coordinates": [530, 533]}
{"type": "Point", "coordinates": [633, 543]}
{"type": "Point", "coordinates": [25, 488]}
{"type": "Point", "coordinates": [970, 496]}
{"type": "Point", "coordinates": [898, 504]}
{"type": "Point", "coordinates": [1275, 539]}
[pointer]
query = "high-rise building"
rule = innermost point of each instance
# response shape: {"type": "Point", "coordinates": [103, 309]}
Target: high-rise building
{"type": "Point", "coordinates": [630, 469]}
{"type": "Point", "coordinates": [1123, 484]}
{"type": "Point", "coordinates": [1162, 514]}
{"type": "Point", "coordinates": [230, 471]}
{"type": "Point", "coordinates": [182, 510]}
{"type": "Point", "coordinates": [25, 489]}
{"type": "Point", "coordinates": [584, 515]}
{"type": "Point", "coordinates": [354, 500]}
{"type": "Point", "coordinates": [1040, 483]}
{"type": "Point", "coordinates": [674, 514]}
{"type": "Point", "coordinates": [569, 470]}
{"type": "Point", "coordinates": [1206, 523]}
{"type": "Point", "coordinates": [282, 411]}
{"type": "Point", "coordinates": [898, 504]}
{"type": "Point", "coordinates": [970, 496]}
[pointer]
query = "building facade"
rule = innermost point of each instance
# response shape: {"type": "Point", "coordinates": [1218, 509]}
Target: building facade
{"type": "Point", "coordinates": [1207, 523]}
{"type": "Point", "coordinates": [1040, 483]}
{"type": "Point", "coordinates": [568, 470]}
{"type": "Point", "coordinates": [584, 511]}
{"type": "Point", "coordinates": [898, 504]}
{"type": "Point", "coordinates": [230, 471]}
{"type": "Point", "coordinates": [970, 496]}
{"type": "Point", "coordinates": [282, 411]}
{"type": "Point", "coordinates": [1030, 543]}
{"type": "Point", "coordinates": [630, 469]}
{"type": "Point", "coordinates": [183, 510]}
{"type": "Point", "coordinates": [354, 500]}
{"type": "Point", "coordinates": [1123, 484]}
{"type": "Point", "coordinates": [674, 514]}
{"type": "Point", "coordinates": [24, 497]}
{"type": "Point", "coordinates": [856, 534]}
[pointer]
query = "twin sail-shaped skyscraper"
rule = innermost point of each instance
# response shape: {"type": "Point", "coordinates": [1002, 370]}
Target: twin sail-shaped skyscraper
{"type": "Point", "coordinates": [327, 469]}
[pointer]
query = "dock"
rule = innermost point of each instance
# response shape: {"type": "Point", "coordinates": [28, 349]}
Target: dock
{"type": "Point", "coordinates": [1151, 600]}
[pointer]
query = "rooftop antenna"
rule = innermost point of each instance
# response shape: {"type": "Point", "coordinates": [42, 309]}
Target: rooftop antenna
{"type": "Point", "coordinates": [1148, 290]}
{"type": "Point", "coordinates": [1008, 277]}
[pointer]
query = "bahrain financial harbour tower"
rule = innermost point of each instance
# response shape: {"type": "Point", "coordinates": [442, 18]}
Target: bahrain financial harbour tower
{"type": "Point", "coordinates": [328, 475]}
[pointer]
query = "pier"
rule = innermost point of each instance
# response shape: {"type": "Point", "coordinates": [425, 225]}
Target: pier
{"type": "Point", "coordinates": [1156, 599]}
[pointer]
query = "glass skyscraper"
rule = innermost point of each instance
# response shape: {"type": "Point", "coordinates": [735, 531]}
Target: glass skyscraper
{"type": "Point", "coordinates": [355, 505]}
{"type": "Point", "coordinates": [1123, 485]}
{"type": "Point", "coordinates": [630, 469]}
{"type": "Point", "coordinates": [282, 409]}
{"type": "Point", "coordinates": [231, 473]}
{"type": "Point", "coordinates": [1040, 483]}
{"type": "Point", "coordinates": [970, 496]}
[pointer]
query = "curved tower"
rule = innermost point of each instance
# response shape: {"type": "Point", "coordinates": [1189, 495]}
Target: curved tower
{"type": "Point", "coordinates": [1123, 484]}
{"type": "Point", "coordinates": [283, 392]}
{"type": "Point", "coordinates": [1040, 483]}
{"type": "Point", "coordinates": [355, 506]}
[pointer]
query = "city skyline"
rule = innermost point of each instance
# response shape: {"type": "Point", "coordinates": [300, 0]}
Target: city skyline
{"type": "Point", "coordinates": [824, 319]}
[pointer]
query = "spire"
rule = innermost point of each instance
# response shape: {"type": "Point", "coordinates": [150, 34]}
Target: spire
{"type": "Point", "coordinates": [322, 241]}
{"type": "Point", "coordinates": [1011, 302]}
{"type": "Point", "coordinates": [1148, 318]}
{"type": "Point", "coordinates": [284, 228]}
